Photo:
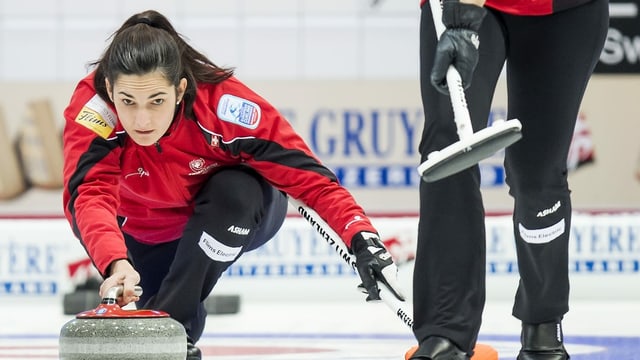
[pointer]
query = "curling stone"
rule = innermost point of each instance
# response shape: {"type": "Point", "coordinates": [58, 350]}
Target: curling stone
{"type": "Point", "coordinates": [222, 304]}
{"type": "Point", "coordinates": [110, 332]}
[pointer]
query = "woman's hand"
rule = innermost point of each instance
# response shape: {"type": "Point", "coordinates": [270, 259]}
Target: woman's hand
{"type": "Point", "coordinates": [122, 273]}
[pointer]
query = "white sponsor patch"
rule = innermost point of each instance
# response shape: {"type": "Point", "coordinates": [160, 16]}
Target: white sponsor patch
{"type": "Point", "coordinates": [239, 111]}
{"type": "Point", "coordinates": [97, 116]}
{"type": "Point", "coordinates": [216, 250]}
{"type": "Point", "coordinates": [542, 236]}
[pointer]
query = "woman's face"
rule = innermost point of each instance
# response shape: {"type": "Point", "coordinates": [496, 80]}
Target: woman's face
{"type": "Point", "coordinates": [145, 104]}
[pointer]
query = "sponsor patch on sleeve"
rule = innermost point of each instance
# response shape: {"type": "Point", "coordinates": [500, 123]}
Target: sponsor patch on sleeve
{"type": "Point", "coordinates": [97, 116]}
{"type": "Point", "coordinates": [239, 111]}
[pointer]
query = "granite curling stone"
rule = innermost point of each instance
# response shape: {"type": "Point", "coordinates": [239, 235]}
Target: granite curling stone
{"type": "Point", "coordinates": [110, 332]}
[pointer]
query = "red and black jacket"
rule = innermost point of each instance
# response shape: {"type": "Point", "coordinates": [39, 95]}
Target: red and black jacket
{"type": "Point", "coordinates": [151, 188]}
{"type": "Point", "coordinates": [530, 7]}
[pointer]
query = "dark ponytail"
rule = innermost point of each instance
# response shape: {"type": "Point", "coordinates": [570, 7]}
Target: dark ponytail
{"type": "Point", "coordinates": [147, 42]}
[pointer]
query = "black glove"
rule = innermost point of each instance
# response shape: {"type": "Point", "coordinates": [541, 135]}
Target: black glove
{"type": "Point", "coordinates": [458, 44]}
{"type": "Point", "coordinates": [374, 263]}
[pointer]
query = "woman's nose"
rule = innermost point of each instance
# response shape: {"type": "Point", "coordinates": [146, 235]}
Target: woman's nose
{"type": "Point", "coordinates": [143, 119]}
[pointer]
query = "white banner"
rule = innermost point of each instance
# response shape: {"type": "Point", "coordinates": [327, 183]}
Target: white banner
{"type": "Point", "coordinates": [41, 258]}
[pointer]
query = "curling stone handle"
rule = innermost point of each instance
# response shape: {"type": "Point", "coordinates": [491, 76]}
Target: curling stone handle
{"type": "Point", "coordinates": [454, 82]}
{"type": "Point", "coordinates": [113, 293]}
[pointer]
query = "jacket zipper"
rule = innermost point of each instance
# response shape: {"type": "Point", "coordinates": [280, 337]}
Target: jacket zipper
{"type": "Point", "coordinates": [174, 184]}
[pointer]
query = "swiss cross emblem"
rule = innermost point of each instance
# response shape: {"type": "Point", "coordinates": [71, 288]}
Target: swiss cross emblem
{"type": "Point", "coordinates": [215, 141]}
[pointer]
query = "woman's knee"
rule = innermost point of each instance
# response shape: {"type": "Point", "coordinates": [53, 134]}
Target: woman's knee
{"type": "Point", "coordinates": [230, 207]}
{"type": "Point", "coordinates": [233, 192]}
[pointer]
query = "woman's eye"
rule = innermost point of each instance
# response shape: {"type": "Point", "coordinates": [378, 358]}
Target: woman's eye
{"type": "Point", "coordinates": [127, 101]}
{"type": "Point", "coordinates": [158, 101]}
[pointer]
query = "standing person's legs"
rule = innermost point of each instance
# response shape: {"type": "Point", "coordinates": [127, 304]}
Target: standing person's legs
{"type": "Point", "coordinates": [449, 274]}
{"type": "Point", "coordinates": [548, 70]}
{"type": "Point", "coordinates": [236, 211]}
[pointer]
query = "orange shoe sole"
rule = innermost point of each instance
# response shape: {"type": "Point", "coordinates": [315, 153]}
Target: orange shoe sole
{"type": "Point", "coordinates": [480, 352]}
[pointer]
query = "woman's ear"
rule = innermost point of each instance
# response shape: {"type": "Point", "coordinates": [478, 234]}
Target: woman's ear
{"type": "Point", "coordinates": [107, 84]}
{"type": "Point", "coordinates": [182, 88]}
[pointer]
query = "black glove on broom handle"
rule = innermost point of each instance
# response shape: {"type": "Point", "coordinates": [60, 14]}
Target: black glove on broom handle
{"type": "Point", "coordinates": [458, 23]}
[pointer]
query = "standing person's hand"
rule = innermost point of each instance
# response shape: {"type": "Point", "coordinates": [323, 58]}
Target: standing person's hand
{"type": "Point", "coordinates": [374, 263]}
{"type": "Point", "coordinates": [122, 273]}
{"type": "Point", "coordinates": [458, 44]}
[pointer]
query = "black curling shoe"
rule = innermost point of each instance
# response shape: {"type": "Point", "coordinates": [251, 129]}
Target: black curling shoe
{"type": "Point", "coordinates": [193, 353]}
{"type": "Point", "coordinates": [439, 348]}
{"type": "Point", "coordinates": [542, 342]}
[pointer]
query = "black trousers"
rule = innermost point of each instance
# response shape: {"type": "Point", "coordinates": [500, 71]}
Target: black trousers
{"type": "Point", "coordinates": [549, 60]}
{"type": "Point", "coordinates": [236, 211]}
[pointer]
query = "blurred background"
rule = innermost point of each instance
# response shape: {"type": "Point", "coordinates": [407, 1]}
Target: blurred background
{"type": "Point", "coordinates": [345, 74]}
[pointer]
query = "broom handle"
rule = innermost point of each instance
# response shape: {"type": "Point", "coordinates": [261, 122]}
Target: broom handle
{"type": "Point", "coordinates": [334, 240]}
{"type": "Point", "coordinates": [454, 82]}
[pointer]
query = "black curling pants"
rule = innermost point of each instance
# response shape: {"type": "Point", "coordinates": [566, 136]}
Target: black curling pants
{"type": "Point", "coordinates": [236, 211]}
{"type": "Point", "coordinates": [549, 60]}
